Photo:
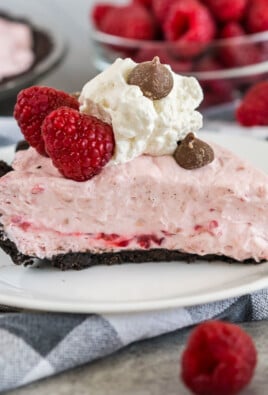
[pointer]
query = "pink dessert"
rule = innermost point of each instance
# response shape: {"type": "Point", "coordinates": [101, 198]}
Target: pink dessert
{"type": "Point", "coordinates": [164, 207]}
{"type": "Point", "coordinates": [201, 202]}
{"type": "Point", "coordinates": [16, 48]}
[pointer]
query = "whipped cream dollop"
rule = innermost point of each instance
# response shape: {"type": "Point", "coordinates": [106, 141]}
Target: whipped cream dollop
{"type": "Point", "coordinates": [141, 125]}
{"type": "Point", "coordinates": [16, 54]}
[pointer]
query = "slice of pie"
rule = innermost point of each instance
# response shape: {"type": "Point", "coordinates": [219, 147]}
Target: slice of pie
{"type": "Point", "coordinates": [197, 201]}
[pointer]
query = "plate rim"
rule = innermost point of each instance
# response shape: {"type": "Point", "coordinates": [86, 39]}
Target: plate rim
{"type": "Point", "coordinates": [36, 304]}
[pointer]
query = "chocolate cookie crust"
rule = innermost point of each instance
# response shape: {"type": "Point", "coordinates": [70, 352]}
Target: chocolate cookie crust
{"type": "Point", "coordinates": [82, 260]}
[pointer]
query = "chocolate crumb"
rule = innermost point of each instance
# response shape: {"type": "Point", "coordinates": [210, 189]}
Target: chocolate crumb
{"type": "Point", "coordinates": [193, 153]}
{"type": "Point", "coordinates": [81, 260]}
{"type": "Point", "coordinates": [22, 146]}
{"type": "Point", "coordinates": [153, 78]}
{"type": "Point", "coordinates": [4, 168]}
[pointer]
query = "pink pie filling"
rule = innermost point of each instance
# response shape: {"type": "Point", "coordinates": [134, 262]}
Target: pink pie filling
{"type": "Point", "coordinates": [149, 202]}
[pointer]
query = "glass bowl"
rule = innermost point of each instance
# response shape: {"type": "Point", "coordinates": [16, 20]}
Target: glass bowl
{"type": "Point", "coordinates": [225, 68]}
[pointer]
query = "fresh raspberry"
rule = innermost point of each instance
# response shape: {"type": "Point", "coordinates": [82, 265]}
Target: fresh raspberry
{"type": "Point", "coordinates": [78, 144]}
{"type": "Point", "coordinates": [237, 53]}
{"type": "Point", "coordinates": [219, 359]}
{"type": "Point", "coordinates": [253, 108]}
{"type": "Point", "coordinates": [227, 10]}
{"type": "Point", "coordinates": [145, 3]}
{"type": "Point", "coordinates": [189, 23]}
{"type": "Point", "coordinates": [33, 105]}
{"type": "Point", "coordinates": [99, 11]}
{"type": "Point", "coordinates": [132, 21]}
{"type": "Point", "coordinates": [161, 8]}
{"type": "Point", "coordinates": [257, 16]}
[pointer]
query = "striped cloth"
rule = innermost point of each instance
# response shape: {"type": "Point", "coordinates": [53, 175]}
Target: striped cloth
{"type": "Point", "coordinates": [37, 345]}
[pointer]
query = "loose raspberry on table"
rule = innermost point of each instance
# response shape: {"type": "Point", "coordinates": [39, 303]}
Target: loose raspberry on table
{"type": "Point", "coordinates": [78, 144]}
{"type": "Point", "coordinates": [189, 22]}
{"type": "Point", "coordinates": [99, 11]}
{"type": "Point", "coordinates": [252, 110]}
{"type": "Point", "coordinates": [227, 10]}
{"type": "Point", "coordinates": [132, 21]}
{"type": "Point", "coordinates": [219, 359]}
{"type": "Point", "coordinates": [33, 105]}
{"type": "Point", "coordinates": [257, 16]}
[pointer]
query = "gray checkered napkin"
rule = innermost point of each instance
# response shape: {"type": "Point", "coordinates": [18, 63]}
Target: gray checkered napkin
{"type": "Point", "coordinates": [37, 345]}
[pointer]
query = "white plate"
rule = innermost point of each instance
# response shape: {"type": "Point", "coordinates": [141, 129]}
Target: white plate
{"type": "Point", "coordinates": [130, 287]}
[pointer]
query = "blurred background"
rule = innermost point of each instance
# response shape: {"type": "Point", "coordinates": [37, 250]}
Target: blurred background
{"type": "Point", "coordinates": [68, 24]}
{"type": "Point", "coordinates": [72, 47]}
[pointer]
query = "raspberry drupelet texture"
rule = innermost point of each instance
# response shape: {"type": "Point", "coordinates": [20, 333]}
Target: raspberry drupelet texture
{"type": "Point", "coordinates": [219, 359]}
{"type": "Point", "coordinates": [189, 21]}
{"type": "Point", "coordinates": [252, 110]}
{"type": "Point", "coordinates": [33, 105]}
{"type": "Point", "coordinates": [78, 144]}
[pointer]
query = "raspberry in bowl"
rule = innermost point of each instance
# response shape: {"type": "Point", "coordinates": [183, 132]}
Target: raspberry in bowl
{"type": "Point", "coordinates": [222, 43]}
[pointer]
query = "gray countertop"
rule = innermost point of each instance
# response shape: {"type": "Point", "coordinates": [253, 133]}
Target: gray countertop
{"type": "Point", "coordinates": [145, 368]}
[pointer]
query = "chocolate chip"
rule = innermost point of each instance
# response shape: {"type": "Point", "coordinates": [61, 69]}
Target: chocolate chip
{"type": "Point", "coordinates": [192, 153]}
{"type": "Point", "coordinates": [153, 78]}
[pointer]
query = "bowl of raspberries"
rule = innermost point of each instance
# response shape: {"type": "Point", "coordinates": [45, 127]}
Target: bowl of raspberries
{"type": "Point", "coordinates": [223, 43]}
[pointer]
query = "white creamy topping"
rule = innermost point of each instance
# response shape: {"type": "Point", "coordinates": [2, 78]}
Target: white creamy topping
{"type": "Point", "coordinates": [140, 125]}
